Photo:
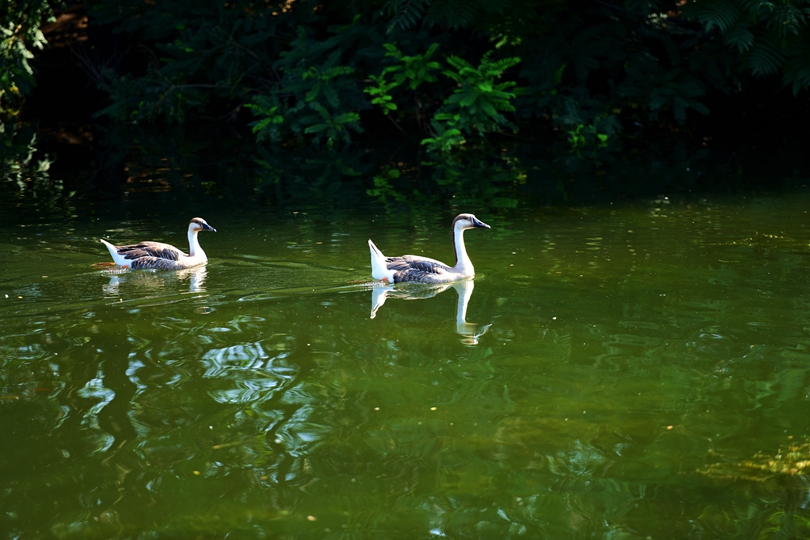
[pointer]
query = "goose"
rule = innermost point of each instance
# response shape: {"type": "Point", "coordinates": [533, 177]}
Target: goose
{"type": "Point", "coordinates": [415, 269]}
{"type": "Point", "coordinates": [159, 256]}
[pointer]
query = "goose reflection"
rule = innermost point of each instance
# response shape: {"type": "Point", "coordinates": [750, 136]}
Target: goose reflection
{"type": "Point", "coordinates": [469, 332]}
{"type": "Point", "coordinates": [157, 280]}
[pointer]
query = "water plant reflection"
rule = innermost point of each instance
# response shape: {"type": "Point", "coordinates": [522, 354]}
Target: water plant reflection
{"type": "Point", "coordinates": [469, 332]}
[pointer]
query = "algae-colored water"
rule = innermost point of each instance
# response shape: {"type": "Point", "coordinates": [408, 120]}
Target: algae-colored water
{"type": "Point", "coordinates": [616, 371]}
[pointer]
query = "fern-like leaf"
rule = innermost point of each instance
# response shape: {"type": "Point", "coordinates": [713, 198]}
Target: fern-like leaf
{"type": "Point", "coordinates": [739, 37]}
{"type": "Point", "coordinates": [405, 13]}
{"type": "Point", "coordinates": [797, 72]}
{"type": "Point", "coordinates": [722, 14]}
{"type": "Point", "coordinates": [765, 58]}
{"type": "Point", "coordinates": [785, 19]}
{"type": "Point", "coordinates": [455, 15]}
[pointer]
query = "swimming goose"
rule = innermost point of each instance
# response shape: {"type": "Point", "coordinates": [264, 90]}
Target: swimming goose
{"type": "Point", "coordinates": [422, 269]}
{"type": "Point", "coordinates": [161, 256]}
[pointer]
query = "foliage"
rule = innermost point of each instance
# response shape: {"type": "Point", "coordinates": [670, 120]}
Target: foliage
{"type": "Point", "coordinates": [770, 37]}
{"type": "Point", "coordinates": [387, 194]}
{"type": "Point", "coordinates": [188, 58]}
{"type": "Point", "coordinates": [23, 172]}
{"type": "Point", "coordinates": [415, 70]}
{"type": "Point", "coordinates": [475, 105]}
{"type": "Point", "coordinates": [20, 33]}
{"type": "Point", "coordinates": [447, 83]}
{"type": "Point", "coordinates": [454, 14]}
{"type": "Point", "coordinates": [316, 95]}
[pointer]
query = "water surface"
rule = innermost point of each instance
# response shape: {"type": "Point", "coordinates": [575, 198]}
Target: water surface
{"type": "Point", "coordinates": [616, 371]}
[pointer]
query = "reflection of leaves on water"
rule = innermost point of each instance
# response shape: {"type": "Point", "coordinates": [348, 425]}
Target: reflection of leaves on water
{"type": "Point", "coordinates": [301, 434]}
{"type": "Point", "coordinates": [258, 374]}
{"type": "Point", "coordinates": [95, 389]}
{"type": "Point", "coordinates": [582, 460]}
{"type": "Point", "coordinates": [791, 461]}
{"type": "Point", "coordinates": [781, 491]}
{"type": "Point", "coordinates": [262, 381]}
{"type": "Point", "coordinates": [766, 240]}
{"type": "Point", "coordinates": [405, 440]}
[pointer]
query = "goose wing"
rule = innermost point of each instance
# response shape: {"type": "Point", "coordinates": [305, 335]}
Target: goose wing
{"type": "Point", "coordinates": [155, 263]}
{"type": "Point", "coordinates": [416, 269]}
{"type": "Point", "coordinates": [150, 250]}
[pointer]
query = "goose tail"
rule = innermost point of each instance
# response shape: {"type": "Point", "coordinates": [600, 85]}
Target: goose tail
{"type": "Point", "coordinates": [379, 268]}
{"type": "Point", "coordinates": [119, 259]}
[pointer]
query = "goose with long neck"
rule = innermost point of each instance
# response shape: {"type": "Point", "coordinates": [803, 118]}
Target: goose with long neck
{"type": "Point", "coordinates": [159, 256]}
{"type": "Point", "coordinates": [413, 268]}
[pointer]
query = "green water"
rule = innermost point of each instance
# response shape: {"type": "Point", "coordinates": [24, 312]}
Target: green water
{"type": "Point", "coordinates": [621, 372]}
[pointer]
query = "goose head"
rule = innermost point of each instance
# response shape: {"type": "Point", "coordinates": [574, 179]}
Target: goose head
{"type": "Point", "coordinates": [468, 221]}
{"type": "Point", "coordinates": [199, 224]}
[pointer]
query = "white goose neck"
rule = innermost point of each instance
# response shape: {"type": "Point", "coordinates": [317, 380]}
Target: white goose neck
{"type": "Point", "coordinates": [463, 263]}
{"type": "Point", "coordinates": [194, 249]}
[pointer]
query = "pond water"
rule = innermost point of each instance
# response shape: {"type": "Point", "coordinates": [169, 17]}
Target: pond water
{"type": "Point", "coordinates": [613, 371]}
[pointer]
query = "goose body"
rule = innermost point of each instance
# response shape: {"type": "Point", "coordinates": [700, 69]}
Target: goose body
{"type": "Point", "coordinates": [416, 269]}
{"type": "Point", "coordinates": [160, 256]}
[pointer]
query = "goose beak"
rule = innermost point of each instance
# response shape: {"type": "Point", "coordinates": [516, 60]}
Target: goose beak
{"type": "Point", "coordinates": [478, 223]}
{"type": "Point", "coordinates": [207, 227]}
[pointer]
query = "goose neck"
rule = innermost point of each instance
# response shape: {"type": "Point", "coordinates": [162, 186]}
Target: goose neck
{"type": "Point", "coordinates": [463, 262]}
{"type": "Point", "coordinates": [194, 248]}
